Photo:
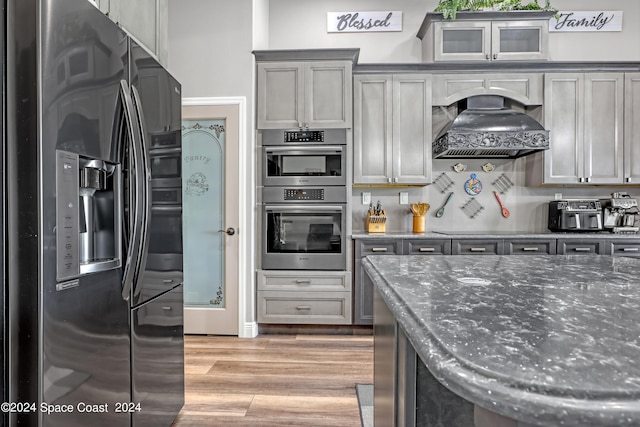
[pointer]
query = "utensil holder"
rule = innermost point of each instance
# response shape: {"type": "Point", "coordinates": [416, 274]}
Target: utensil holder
{"type": "Point", "coordinates": [419, 223]}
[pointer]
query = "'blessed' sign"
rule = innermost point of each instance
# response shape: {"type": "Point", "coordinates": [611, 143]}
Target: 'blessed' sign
{"type": "Point", "coordinates": [598, 21]}
{"type": "Point", "coordinates": [360, 22]}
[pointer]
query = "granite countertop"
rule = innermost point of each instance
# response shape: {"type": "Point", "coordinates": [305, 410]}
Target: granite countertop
{"type": "Point", "coordinates": [362, 235]}
{"type": "Point", "coordinates": [547, 340]}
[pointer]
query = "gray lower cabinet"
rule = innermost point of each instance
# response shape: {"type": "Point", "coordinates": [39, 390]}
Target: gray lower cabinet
{"type": "Point", "coordinates": [477, 247]}
{"type": "Point", "coordinates": [426, 247]}
{"type": "Point", "coordinates": [304, 297]}
{"type": "Point", "coordinates": [581, 246]}
{"type": "Point", "coordinates": [530, 247]}
{"type": "Point", "coordinates": [629, 247]}
{"type": "Point", "coordinates": [363, 291]}
{"type": "Point", "coordinates": [363, 287]}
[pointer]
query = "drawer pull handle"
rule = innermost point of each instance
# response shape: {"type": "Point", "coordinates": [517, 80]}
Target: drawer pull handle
{"type": "Point", "coordinates": [379, 249]}
{"type": "Point", "coordinates": [530, 249]}
{"type": "Point", "coordinates": [582, 249]}
{"type": "Point", "coordinates": [478, 249]}
{"type": "Point", "coordinates": [303, 281]}
{"type": "Point", "coordinates": [167, 281]}
{"type": "Point", "coordinates": [427, 249]}
{"type": "Point", "coordinates": [304, 307]}
{"type": "Point", "coordinates": [167, 308]}
{"type": "Point", "coordinates": [630, 250]}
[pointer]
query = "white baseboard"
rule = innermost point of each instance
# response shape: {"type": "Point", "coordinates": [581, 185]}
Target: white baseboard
{"type": "Point", "coordinates": [248, 330]}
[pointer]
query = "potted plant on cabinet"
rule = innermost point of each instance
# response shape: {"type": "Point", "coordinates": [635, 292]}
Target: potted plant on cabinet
{"type": "Point", "coordinates": [449, 8]}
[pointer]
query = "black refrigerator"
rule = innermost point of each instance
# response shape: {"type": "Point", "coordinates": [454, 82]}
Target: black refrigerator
{"type": "Point", "coordinates": [92, 325]}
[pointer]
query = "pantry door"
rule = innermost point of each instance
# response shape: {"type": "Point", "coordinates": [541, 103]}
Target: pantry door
{"type": "Point", "coordinates": [210, 141]}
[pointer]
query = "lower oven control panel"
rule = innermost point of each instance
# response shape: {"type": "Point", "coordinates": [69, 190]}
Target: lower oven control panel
{"type": "Point", "coordinates": [304, 194]}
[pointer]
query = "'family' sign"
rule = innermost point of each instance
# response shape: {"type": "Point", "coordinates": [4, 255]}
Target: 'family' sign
{"type": "Point", "coordinates": [360, 22]}
{"type": "Point", "coordinates": [581, 21]}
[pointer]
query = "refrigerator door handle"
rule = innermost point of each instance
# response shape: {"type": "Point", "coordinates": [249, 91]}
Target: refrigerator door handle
{"type": "Point", "coordinates": [135, 207]}
{"type": "Point", "coordinates": [146, 210]}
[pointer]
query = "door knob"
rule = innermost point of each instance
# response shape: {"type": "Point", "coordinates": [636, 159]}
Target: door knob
{"type": "Point", "coordinates": [230, 231]}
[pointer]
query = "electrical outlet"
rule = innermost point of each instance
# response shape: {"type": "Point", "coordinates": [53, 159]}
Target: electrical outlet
{"type": "Point", "coordinates": [558, 196]}
{"type": "Point", "coordinates": [366, 198]}
{"type": "Point", "coordinates": [404, 198]}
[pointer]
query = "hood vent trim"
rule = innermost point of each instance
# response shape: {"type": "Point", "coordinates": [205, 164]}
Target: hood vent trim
{"type": "Point", "coordinates": [488, 130]}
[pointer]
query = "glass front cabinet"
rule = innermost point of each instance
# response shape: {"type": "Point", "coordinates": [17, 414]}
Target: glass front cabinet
{"type": "Point", "coordinates": [465, 39]}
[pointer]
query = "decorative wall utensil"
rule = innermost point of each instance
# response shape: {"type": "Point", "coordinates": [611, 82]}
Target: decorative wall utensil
{"type": "Point", "coordinates": [472, 208]}
{"type": "Point", "coordinates": [441, 210]}
{"type": "Point", "coordinates": [443, 182]}
{"type": "Point", "coordinates": [503, 184]}
{"type": "Point", "coordinates": [473, 186]}
{"type": "Point", "coordinates": [459, 167]}
{"type": "Point", "coordinates": [488, 167]}
{"type": "Point", "coordinates": [505, 211]}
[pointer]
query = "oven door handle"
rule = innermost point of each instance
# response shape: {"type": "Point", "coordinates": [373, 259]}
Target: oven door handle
{"type": "Point", "coordinates": [326, 149]}
{"type": "Point", "coordinates": [303, 208]}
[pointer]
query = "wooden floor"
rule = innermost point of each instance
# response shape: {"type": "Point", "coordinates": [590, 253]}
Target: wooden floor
{"type": "Point", "coordinates": [275, 380]}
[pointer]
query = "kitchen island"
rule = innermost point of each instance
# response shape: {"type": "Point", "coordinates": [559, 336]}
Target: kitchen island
{"type": "Point", "coordinates": [506, 340]}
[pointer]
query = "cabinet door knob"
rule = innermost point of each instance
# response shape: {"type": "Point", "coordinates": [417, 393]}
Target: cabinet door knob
{"type": "Point", "coordinates": [587, 179]}
{"type": "Point", "coordinates": [495, 56]}
{"type": "Point", "coordinates": [395, 179]}
{"type": "Point", "coordinates": [389, 179]}
{"type": "Point", "coordinates": [488, 57]}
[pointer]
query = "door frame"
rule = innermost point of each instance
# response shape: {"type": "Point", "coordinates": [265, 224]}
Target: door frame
{"type": "Point", "coordinates": [247, 327]}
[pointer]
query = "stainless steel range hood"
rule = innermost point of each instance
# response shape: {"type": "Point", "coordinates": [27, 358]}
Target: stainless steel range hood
{"type": "Point", "coordinates": [488, 129]}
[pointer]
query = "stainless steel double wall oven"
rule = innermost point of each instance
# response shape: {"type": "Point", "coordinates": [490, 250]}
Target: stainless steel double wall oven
{"type": "Point", "coordinates": [304, 210]}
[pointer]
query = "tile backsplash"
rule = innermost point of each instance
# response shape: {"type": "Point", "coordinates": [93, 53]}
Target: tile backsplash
{"type": "Point", "coordinates": [528, 206]}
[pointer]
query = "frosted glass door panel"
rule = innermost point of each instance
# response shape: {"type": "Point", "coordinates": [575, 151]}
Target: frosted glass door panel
{"type": "Point", "coordinates": [462, 41]}
{"type": "Point", "coordinates": [519, 40]}
{"type": "Point", "coordinates": [203, 153]}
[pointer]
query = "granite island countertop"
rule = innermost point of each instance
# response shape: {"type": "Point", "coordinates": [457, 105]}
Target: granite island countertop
{"type": "Point", "coordinates": [547, 340]}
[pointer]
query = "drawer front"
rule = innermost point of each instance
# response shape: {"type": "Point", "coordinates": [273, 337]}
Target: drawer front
{"type": "Point", "coordinates": [426, 247]}
{"type": "Point", "coordinates": [580, 247]}
{"type": "Point", "coordinates": [530, 247]}
{"type": "Point", "coordinates": [304, 307]}
{"type": "Point", "coordinates": [477, 247]}
{"type": "Point", "coordinates": [623, 248]}
{"type": "Point", "coordinates": [304, 280]}
{"type": "Point", "coordinates": [378, 247]}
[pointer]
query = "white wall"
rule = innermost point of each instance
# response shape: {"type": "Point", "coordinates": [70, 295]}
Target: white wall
{"type": "Point", "coordinates": [299, 24]}
{"type": "Point", "coordinates": [210, 45]}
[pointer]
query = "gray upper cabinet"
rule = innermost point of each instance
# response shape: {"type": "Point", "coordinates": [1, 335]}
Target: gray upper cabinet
{"type": "Point", "coordinates": [632, 128]}
{"type": "Point", "coordinates": [465, 39]}
{"type": "Point", "coordinates": [584, 113]}
{"type": "Point", "coordinates": [526, 88]}
{"type": "Point", "coordinates": [392, 129]}
{"type": "Point", "coordinates": [145, 20]}
{"type": "Point", "coordinates": [304, 94]}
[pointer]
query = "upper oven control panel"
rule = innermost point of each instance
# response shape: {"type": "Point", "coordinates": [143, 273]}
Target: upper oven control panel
{"type": "Point", "coordinates": [304, 136]}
